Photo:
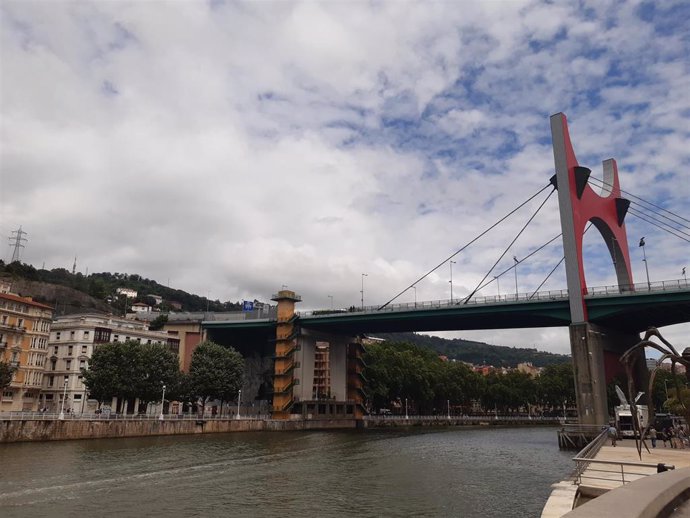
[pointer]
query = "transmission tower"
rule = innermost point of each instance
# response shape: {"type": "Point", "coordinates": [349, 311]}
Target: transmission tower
{"type": "Point", "coordinates": [17, 239]}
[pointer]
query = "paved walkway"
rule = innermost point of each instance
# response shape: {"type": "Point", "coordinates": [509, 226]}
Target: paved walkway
{"type": "Point", "coordinates": [609, 476]}
{"type": "Point", "coordinates": [600, 477]}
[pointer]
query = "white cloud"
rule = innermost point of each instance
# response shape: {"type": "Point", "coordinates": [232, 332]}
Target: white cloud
{"type": "Point", "coordinates": [238, 147]}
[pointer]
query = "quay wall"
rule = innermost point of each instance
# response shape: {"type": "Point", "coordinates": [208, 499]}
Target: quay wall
{"type": "Point", "coordinates": [56, 430]}
{"type": "Point", "coordinates": [27, 430]}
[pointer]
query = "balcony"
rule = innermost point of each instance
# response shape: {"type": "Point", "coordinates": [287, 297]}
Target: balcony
{"type": "Point", "coordinates": [12, 327]}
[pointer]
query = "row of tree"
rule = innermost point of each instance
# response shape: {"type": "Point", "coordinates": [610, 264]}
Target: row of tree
{"type": "Point", "coordinates": [399, 371]}
{"type": "Point", "coordinates": [129, 370]}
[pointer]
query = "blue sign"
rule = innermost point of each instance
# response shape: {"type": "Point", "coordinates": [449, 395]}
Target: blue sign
{"type": "Point", "coordinates": [247, 305]}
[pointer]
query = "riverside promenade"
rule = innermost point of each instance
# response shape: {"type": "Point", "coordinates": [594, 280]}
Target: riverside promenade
{"type": "Point", "coordinates": [600, 468]}
{"type": "Point", "coordinates": [28, 427]}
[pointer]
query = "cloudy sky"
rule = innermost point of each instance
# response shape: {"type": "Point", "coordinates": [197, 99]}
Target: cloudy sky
{"type": "Point", "coordinates": [235, 147]}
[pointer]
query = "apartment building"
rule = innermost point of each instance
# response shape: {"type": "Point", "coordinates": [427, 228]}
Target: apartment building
{"type": "Point", "coordinates": [72, 342]}
{"type": "Point", "coordinates": [24, 331]}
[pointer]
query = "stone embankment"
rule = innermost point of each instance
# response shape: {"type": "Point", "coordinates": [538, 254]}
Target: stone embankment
{"type": "Point", "coordinates": [20, 429]}
{"type": "Point", "coordinates": [56, 430]}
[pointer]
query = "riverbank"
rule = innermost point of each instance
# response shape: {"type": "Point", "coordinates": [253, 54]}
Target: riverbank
{"type": "Point", "coordinates": [53, 429]}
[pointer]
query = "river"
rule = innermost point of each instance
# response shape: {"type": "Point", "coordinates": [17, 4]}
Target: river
{"type": "Point", "coordinates": [492, 472]}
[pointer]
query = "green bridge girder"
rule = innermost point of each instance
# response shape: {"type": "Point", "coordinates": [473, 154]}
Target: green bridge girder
{"type": "Point", "coordinates": [626, 312]}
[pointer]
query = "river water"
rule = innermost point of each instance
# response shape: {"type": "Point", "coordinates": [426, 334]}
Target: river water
{"type": "Point", "coordinates": [501, 472]}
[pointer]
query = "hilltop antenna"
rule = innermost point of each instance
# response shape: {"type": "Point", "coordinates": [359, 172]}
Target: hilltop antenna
{"type": "Point", "coordinates": [74, 266]}
{"type": "Point", "coordinates": [17, 237]}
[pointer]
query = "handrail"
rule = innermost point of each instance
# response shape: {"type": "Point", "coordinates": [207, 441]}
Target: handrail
{"type": "Point", "coordinates": [552, 295]}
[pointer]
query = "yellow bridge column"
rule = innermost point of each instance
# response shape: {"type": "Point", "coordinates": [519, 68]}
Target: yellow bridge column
{"type": "Point", "coordinates": [286, 345]}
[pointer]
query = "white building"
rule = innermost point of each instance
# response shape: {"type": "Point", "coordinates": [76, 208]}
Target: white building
{"type": "Point", "coordinates": [140, 307]}
{"type": "Point", "coordinates": [71, 344]}
{"type": "Point", "coordinates": [127, 292]}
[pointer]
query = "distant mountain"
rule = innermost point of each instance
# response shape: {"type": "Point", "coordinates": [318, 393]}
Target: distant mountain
{"type": "Point", "coordinates": [70, 293]}
{"type": "Point", "coordinates": [478, 353]}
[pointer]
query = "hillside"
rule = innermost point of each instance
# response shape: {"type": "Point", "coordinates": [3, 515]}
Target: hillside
{"type": "Point", "coordinates": [64, 290]}
{"type": "Point", "coordinates": [478, 353]}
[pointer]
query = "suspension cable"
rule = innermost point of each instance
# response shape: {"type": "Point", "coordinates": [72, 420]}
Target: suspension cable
{"type": "Point", "coordinates": [469, 243]}
{"type": "Point", "coordinates": [510, 245]}
{"type": "Point", "coordinates": [641, 199]}
{"type": "Point", "coordinates": [520, 261]}
{"type": "Point", "coordinates": [634, 213]}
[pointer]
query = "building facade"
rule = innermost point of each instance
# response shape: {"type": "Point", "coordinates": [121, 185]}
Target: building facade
{"type": "Point", "coordinates": [24, 330]}
{"type": "Point", "coordinates": [73, 339]}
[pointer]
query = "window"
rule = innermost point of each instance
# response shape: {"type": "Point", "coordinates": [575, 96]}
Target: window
{"type": "Point", "coordinates": [68, 364]}
{"type": "Point", "coordinates": [82, 364]}
{"type": "Point", "coordinates": [86, 335]}
{"type": "Point", "coordinates": [84, 349]}
{"type": "Point", "coordinates": [7, 395]}
{"type": "Point", "coordinates": [66, 379]}
{"type": "Point", "coordinates": [69, 350]}
{"type": "Point", "coordinates": [51, 381]}
{"type": "Point", "coordinates": [71, 335]}
{"type": "Point", "coordinates": [20, 322]}
{"type": "Point", "coordinates": [57, 335]}
{"type": "Point", "coordinates": [77, 396]}
{"type": "Point", "coordinates": [55, 349]}
{"type": "Point", "coordinates": [116, 338]}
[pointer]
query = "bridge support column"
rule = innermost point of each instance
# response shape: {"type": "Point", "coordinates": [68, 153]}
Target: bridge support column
{"type": "Point", "coordinates": [596, 351]}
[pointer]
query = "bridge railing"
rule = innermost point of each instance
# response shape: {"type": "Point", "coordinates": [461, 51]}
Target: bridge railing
{"type": "Point", "coordinates": [507, 298]}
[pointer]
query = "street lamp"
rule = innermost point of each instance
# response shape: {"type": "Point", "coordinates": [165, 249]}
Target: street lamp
{"type": "Point", "coordinates": [239, 397]}
{"type": "Point", "coordinates": [516, 282]}
{"type": "Point", "coordinates": [498, 286]}
{"type": "Point", "coordinates": [451, 281]}
{"type": "Point", "coordinates": [448, 401]}
{"type": "Point", "coordinates": [406, 415]}
{"type": "Point", "coordinates": [684, 277]}
{"type": "Point", "coordinates": [61, 417]}
{"type": "Point", "coordinates": [160, 417]}
{"type": "Point", "coordinates": [646, 267]}
{"type": "Point", "coordinates": [415, 295]}
{"type": "Point", "coordinates": [362, 292]}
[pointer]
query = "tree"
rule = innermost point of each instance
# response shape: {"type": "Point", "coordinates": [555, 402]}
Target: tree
{"type": "Point", "coordinates": [216, 372]}
{"type": "Point", "coordinates": [556, 385]}
{"type": "Point", "coordinates": [6, 372]}
{"type": "Point", "coordinates": [128, 370]}
{"type": "Point", "coordinates": [158, 322]}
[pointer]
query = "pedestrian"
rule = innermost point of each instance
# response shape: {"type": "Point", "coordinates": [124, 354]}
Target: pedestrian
{"type": "Point", "coordinates": [671, 437]}
{"type": "Point", "coordinates": [664, 437]}
{"type": "Point", "coordinates": [613, 435]}
{"type": "Point", "coordinates": [652, 436]}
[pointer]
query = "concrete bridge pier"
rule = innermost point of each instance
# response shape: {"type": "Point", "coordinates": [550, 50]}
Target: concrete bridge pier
{"type": "Point", "coordinates": [596, 351]}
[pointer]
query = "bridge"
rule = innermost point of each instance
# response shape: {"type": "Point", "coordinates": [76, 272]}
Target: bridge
{"type": "Point", "coordinates": [317, 356]}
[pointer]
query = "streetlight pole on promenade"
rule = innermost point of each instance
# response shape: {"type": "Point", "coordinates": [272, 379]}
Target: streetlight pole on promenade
{"type": "Point", "coordinates": [362, 292]}
{"type": "Point", "coordinates": [451, 281]}
{"type": "Point", "coordinates": [516, 281]}
{"type": "Point", "coordinates": [415, 295]}
{"type": "Point", "coordinates": [160, 417]}
{"type": "Point", "coordinates": [684, 277]}
{"type": "Point", "coordinates": [646, 267]}
{"type": "Point", "coordinates": [448, 401]}
{"type": "Point", "coordinates": [406, 415]}
{"type": "Point", "coordinates": [239, 398]}
{"type": "Point", "coordinates": [61, 417]}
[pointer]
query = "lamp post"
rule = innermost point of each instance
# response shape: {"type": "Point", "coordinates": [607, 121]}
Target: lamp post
{"type": "Point", "coordinates": [498, 287]}
{"type": "Point", "coordinates": [331, 297]}
{"type": "Point", "coordinates": [646, 267]}
{"type": "Point", "coordinates": [160, 417]}
{"type": "Point", "coordinates": [448, 401]}
{"type": "Point", "coordinates": [684, 277]}
{"type": "Point", "coordinates": [406, 415]}
{"type": "Point", "coordinates": [516, 281]}
{"type": "Point", "coordinates": [61, 417]}
{"type": "Point", "coordinates": [415, 295]}
{"type": "Point", "coordinates": [239, 398]}
{"type": "Point", "coordinates": [362, 292]}
{"type": "Point", "coordinates": [451, 281]}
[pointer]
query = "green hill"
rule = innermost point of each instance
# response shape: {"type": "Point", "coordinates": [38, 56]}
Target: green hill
{"type": "Point", "coordinates": [478, 353]}
{"type": "Point", "coordinates": [100, 289]}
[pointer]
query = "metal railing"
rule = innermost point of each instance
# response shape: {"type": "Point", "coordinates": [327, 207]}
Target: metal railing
{"type": "Point", "coordinates": [467, 418]}
{"type": "Point", "coordinates": [104, 416]}
{"type": "Point", "coordinates": [586, 454]}
{"type": "Point", "coordinates": [620, 469]}
{"type": "Point", "coordinates": [550, 295]}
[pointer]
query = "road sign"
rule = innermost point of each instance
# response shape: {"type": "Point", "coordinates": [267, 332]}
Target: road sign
{"type": "Point", "coordinates": [247, 305]}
